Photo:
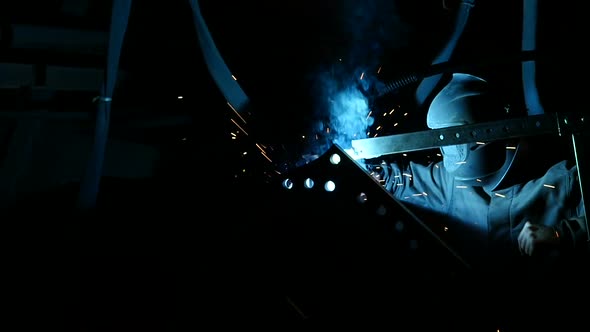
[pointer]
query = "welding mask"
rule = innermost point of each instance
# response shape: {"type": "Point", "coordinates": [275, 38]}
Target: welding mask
{"type": "Point", "coordinates": [466, 99]}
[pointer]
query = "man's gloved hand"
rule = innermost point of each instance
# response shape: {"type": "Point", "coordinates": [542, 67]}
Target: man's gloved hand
{"type": "Point", "coordinates": [533, 236]}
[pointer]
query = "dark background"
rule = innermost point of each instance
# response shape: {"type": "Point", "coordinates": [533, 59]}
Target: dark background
{"type": "Point", "coordinates": [205, 242]}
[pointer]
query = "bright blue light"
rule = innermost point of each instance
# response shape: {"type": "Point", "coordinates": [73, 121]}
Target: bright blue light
{"type": "Point", "coordinates": [288, 184]}
{"type": "Point", "coordinates": [335, 159]}
{"type": "Point", "coordinates": [330, 186]}
{"type": "Point", "coordinates": [349, 116]}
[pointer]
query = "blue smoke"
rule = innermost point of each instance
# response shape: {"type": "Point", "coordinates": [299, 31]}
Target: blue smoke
{"type": "Point", "coordinates": [343, 110]}
{"type": "Point", "coordinates": [350, 116]}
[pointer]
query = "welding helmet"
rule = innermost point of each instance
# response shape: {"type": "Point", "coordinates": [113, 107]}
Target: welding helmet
{"type": "Point", "coordinates": [466, 99]}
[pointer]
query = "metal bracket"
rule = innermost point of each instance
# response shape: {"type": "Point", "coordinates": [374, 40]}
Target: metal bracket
{"type": "Point", "coordinates": [550, 123]}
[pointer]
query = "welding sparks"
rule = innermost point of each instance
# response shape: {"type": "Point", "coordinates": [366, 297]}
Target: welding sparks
{"type": "Point", "coordinates": [267, 158]}
{"type": "Point", "coordinates": [234, 121]}
{"type": "Point", "coordinates": [263, 152]}
{"type": "Point", "coordinates": [260, 148]}
{"type": "Point", "coordinates": [235, 111]}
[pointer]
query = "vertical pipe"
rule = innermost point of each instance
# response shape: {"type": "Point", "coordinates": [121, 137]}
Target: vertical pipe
{"type": "Point", "coordinates": [231, 90]}
{"type": "Point", "coordinates": [529, 43]}
{"type": "Point", "coordinates": [89, 186]}
{"type": "Point", "coordinates": [427, 86]}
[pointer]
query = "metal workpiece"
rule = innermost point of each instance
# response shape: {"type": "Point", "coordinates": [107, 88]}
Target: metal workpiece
{"type": "Point", "coordinates": [549, 123]}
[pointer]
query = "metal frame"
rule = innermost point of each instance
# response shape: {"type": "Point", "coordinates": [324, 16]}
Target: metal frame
{"type": "Point", "coordinates": [558, 124]}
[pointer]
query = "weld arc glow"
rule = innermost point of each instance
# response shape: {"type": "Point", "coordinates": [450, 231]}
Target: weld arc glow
{"type": "Point", "coordinates": [343, 113]}
{"type": "Point", "coordinates": [342, 110]}
{"type": "Point", "coordinates": [349, 111]}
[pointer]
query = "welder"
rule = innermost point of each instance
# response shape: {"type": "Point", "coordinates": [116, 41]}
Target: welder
{"type": "Point", "coordinates": [489, 192]}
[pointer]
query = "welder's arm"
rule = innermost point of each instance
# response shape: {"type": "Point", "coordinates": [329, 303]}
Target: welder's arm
{"type": "Point", "coordinates": [573, 233]}
{"type": "Point", "coordinates": [418, 184]}
{"type": "Point", "coordinates": [568, 235]}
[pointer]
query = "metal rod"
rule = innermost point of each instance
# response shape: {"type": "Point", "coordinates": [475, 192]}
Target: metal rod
{"type": "Point", "coordinates": [580, 153]}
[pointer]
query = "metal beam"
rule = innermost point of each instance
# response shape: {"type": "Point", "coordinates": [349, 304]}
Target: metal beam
{"type": "Point", "coordinates": [120, 121]}
{"type": "Point", "coordinates": [41, 75]}
{"type": "Point", "coordinates": [551, 123]}
{"type": "Point", "coordinates": [42, 37]}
